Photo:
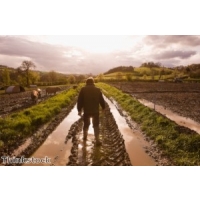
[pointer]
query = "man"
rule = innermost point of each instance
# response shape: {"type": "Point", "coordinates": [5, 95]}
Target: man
{"type": "Point", "coordinates": [89, 99]}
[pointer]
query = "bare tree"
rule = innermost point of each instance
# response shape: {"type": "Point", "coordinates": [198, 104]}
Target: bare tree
{"type": "Point", "coordinates": [25, 68]}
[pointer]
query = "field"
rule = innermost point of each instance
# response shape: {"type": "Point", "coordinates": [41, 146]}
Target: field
{"type": "Point", "coordinates": [168, 143]}
{"type": "Point", "coordinates": [10, 103]}
{"type": "Point", "coordinates": [182, 98]}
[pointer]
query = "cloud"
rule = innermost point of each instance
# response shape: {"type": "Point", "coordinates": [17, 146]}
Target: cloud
{"type": "Point", "coordinates": [163, 40]}
{"type": "Point", "coordinates": [174, 54]}
{"type": "Point", "coordinates": [66, 59]}
{"type": "Point", "coordinates": [46, 56]}
{"type": "Point", "coordinates": [62, 55]}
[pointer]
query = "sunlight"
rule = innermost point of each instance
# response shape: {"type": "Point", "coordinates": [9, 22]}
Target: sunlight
{"type": "Point", "coordinates": [95, 43]}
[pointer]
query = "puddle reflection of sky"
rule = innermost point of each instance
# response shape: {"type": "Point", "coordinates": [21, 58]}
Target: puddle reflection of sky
{"type": "Point", "coordinates": [183, 121]}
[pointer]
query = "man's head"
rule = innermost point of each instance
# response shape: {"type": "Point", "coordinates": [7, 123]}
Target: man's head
{"type": "Point", "coordinates": [90, 81]}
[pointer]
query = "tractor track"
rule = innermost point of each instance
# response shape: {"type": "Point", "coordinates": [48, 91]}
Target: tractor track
{"type": "Point", "coordinates": [112, 152]}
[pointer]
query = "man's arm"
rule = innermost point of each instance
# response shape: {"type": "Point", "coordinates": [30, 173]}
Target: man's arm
{"type": "Point", "coordinates": [80, 101]}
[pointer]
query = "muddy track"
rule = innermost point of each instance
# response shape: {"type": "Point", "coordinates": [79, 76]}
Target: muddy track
{"type": "Point", "coordinates": [30, 145]}
{"type": "Point", "coordinates": [112, 152]}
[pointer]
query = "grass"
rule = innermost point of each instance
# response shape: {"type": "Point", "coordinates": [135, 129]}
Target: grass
{"type": "Point", "coordinates": [145, 74]}
{"type": "Point", "coordinates": [23, 124]}
{"type": "Point", "coordinates": [182, 147]}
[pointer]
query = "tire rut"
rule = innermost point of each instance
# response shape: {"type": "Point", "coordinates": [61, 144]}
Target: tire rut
{"type": "Point", "coordinates": [112, 152]}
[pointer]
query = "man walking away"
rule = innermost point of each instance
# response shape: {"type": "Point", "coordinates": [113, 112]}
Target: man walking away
{"type": "Point", "coordinates": [89, 99]}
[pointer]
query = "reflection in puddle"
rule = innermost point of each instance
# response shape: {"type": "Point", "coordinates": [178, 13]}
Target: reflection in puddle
{"type": "Point", "coordinates": [54, 146]}
{"type": "Point", "coordinates": [134, 143]}
{"type": "Point", "coordinates": [182, 121]}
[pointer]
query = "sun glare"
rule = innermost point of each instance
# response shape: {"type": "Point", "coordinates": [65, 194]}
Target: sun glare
{"type": "Point", "coordinates": [95, 44]}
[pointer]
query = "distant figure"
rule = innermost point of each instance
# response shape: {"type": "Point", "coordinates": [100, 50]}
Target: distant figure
{"type": "Point", "coordinates": [35, 95]}
{"type": "Point", "coordinates": [52, 90]}
{"type": "Point", "coordinates": [89, 99]}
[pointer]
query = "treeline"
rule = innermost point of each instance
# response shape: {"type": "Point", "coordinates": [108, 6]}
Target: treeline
{"type": "Point", "coordinates": [120, 69]}
{"type": "Point", "coordinates": [131, 68]}
{"type": "Point", "coordinates": [26, 76]}
{"type": "Point", "coordinates": [151, 65]}
{"type": "Point", "coordinates": [192, 70]}
{"type": "Point", "coordinates": [154, 69]}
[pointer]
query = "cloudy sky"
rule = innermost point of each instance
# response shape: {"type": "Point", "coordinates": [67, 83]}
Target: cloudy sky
{"type": "Point", "coordinates": [97, 54]}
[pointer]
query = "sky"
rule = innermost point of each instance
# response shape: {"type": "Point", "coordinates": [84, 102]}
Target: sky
{"type": "Point", "coordinates": [96, 54]}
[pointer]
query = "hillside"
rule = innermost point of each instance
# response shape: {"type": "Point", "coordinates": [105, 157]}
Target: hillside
{"type": "Point", "coordinates": [153, 73]}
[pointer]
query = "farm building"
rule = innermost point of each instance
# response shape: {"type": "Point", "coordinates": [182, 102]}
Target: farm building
{"type": "Point", "coordinates": [14, 89]}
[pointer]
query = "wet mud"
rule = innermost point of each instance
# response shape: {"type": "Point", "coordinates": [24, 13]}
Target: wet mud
{"type": "Point", "coordinates": [123, 143]}
{"type": "Point", "coordinates": [10, 103]}
{"type": "Point", "coordinates": [31, 144]}
{"type": "Point", "coordinates": [142, 150]}
{"type": "Point", "coordinates": [182, 121]}
{"type": "Point", "coordinates": [112, 152]}
{"type": "Point", "coordinates": [181, 98]}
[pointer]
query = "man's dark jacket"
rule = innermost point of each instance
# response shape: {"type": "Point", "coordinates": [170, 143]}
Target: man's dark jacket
{"type": "Point", "coordinates": [89, 99]}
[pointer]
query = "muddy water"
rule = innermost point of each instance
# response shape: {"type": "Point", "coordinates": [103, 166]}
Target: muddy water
{"type": "Point", "coordinates": [183, 121]}
{"type": "Point", "coordinates": [133, 140]}
{"type": "Point", "coordinates": [58, 152]}
{"type": "Point", "coordinates": [54, 147]}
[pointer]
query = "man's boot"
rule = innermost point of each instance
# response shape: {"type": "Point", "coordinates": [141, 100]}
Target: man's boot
{"type": "Point", "coordinates": [96, 134]}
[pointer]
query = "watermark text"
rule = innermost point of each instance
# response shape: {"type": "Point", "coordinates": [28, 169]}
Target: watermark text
{"type": "Point", "coordinates": [23, 160]}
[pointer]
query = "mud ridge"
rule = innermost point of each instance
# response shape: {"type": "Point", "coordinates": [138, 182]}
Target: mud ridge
{"type": "Point", "coordinates": [151, 148]}
{"type": "Point", "coordinates": [112, 152]}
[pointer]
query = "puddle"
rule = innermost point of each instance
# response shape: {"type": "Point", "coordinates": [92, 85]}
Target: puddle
{"type": "Point", "coordinates": [134, 142]}
{"type": "Point", "coordinates": [58, 152]}
{"type": "Point", "coordinates": [54, 146]}
{"type": "Point", "coordinates": [182, 121]}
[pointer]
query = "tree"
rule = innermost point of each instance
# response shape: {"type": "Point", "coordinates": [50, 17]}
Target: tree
{"type": "Point", "coordinates": [100, 77]}
{"type": "Point", "coordinates": [25, 69]}
{"type": "Point", "coordinates": [6, 77]}
{"type": "Point", "coordinates": [52, 76]}
{"type": "Point", "coordinates": [72, 79]}
{"type": "Point", "coordinates": [33, 77]}
{"type": "Point", "coordinates": [129, 77]}
{"type": "Point", "coordinates": [80, 78]}
{"type": "Point", "coordinates": [21, 80]}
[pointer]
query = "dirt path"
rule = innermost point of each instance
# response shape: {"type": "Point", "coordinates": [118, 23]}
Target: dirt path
{"type": "Point", "coordinates": [112, 152]}
{"type": "Point", "coordinates": [72, 151]}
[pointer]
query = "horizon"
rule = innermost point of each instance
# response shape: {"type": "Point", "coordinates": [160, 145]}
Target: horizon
{"type": "Point", "coordinates": [95, 54]}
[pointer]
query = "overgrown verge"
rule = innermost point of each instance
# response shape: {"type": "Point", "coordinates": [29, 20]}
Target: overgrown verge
{"type": "Point", "coordinates": [181, 145]}
{"type": "Point", "coordinates": [15, 128]}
